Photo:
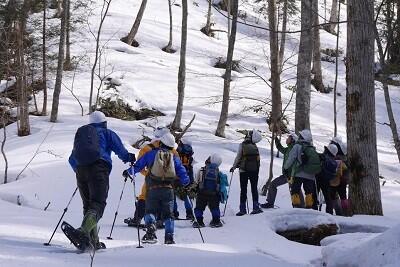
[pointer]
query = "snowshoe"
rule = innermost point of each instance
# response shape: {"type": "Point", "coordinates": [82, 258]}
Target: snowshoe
{"type": "Point", "coordinates": [169, 239]}
{"type": "Point", "coordinates": [131, 222]}
{"type": "Point", "coordinates": [256, 211]}
{"type": "Point", "coordinates": [267, 205]}
{"type": "Point", "coordinates": [216, 223]}
{"type": "Point", "coordinates": [78, 238]}
{"type": "Point", "coordinates": [150, 236]}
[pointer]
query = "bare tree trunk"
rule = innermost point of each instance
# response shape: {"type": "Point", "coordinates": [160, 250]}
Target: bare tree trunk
{"type": "Point", "coordinates": [104, 11]}
{"type": "Point", "coordinates": [303, 92]}
{"type": "Point", "coordinates": [176, 124]}
{"type": "Point", "coordinates": [276, 112]}
{"type": "Point", "coordinates": [207, 28]}
{"type": "Point", "coordinates": [283, 35]}
{"type": "Point", "coordinates": [336, 78]}
{"type": "Point", "coordinates": [228, 73]}
{"type": "Point", "coordinates": [392, 121]}
{"type": "Point", "coordinates": [317, 81]}
{"type": "Point", "coordinates": [44, 60]}
{"type": "Point", "coordinates": [168, 48]}
{"type": "Point", "coordinates": [333, 18]}
{"type": "Point", "coordinates": [130, 39]}
{"type": "Point", "coordinates": [23, 107]}
{"type": "Point", "coordinates": [60, 66]}
{"type": "Point", "coordinates": [364, 187]}
{"type": "Point", "coordinates": [67, 63]}
{"type": "Point", "coordinates": [3, 143]}
{"type": "Point", "coordinates": [59, 12]}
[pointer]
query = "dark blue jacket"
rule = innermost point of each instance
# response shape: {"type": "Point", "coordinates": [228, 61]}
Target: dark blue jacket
{"type": "Point", "coordinates": [108, 141]}
{"type": "Point", "coordinates": [147, 160]}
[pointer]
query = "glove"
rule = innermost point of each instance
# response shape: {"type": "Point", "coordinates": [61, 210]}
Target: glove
{"type": "Point", "coordinates": [232, 169]}
{"type": "Point", "coordinates": [126, 174]}
{"type": "Point", "coordinates": [131, 158]}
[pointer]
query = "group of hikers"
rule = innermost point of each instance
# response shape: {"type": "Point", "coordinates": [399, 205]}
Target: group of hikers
{"type": "Point", "coordinates": [168, 171]}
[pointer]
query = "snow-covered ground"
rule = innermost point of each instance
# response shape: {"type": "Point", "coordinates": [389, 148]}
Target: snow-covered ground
{"type": "Point", "coordinates": [148, 78]}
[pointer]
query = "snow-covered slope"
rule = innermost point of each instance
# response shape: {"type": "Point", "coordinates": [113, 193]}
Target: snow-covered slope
{"type": "Point", "coordinates": [148, 78]}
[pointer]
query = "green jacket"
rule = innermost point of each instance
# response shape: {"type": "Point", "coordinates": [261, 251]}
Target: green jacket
{"type": "Point", "coordinates": [285, 151]}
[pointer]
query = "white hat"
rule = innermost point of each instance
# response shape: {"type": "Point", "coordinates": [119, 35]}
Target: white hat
{"type": "Point", "coordinates": [333, 149]}
{"type": "Point", "coordinates": [160, 131]}
{"type": "Point", "coordinates": [256, 136]}
{"type": "Point", "coordinates": [97, 117]}
{"type": "Point", "coordinates": [216, 159]}
{"type": "Point", "coordinates": [306, 135]}
{"type": "Point", "coordinates": [339, 143]}
{"type": "Point", "coordinates": [168, 140]}
{"type": "Point", "coordinates": [294, 136]}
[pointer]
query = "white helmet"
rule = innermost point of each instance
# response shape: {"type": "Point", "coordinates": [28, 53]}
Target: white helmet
{"type": "Point", "coordinates": [168, 140]}
{"type": "Point", "coordinates": [216, 159]}
{"type": "Point", "coordinates": [333, 149]}
{"type": "Point", "coordinates": [97, 117]}
{"type": "Point", "coordinates": [339, 143]}
{"type": "Point", "coordinates": [160, 131]}
{"type": "Point", "coordinates": [256, 136]}
{"type": "Point", "coordinates": [306, 135]}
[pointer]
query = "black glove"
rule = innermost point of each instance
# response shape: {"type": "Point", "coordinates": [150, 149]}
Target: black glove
{"type": "Point", "coordinates": [126, 174]}
{"type": "Point", "coordinates": [232, 169]}
{"type": "Point", "coordinates": [132, 158]}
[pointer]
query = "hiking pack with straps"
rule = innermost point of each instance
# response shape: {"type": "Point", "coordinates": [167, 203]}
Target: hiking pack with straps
{"type": "Point", "coordinates": [329, 168]}
{"type": "Point", "coordinates": [311, 162]}
{"type": "Point", "coordinates": [163, 168]}
{"type": "Point", "coordinates": [250, 154]}
{"type": "Point", "coordinates": [86, 145]}
{"type": "Point", "coordinates": [210, 179]}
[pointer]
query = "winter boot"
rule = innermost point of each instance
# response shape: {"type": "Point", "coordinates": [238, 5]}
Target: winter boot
{"type": "Point", "coordinates": [189, 214]}
{"type": "Point", "coordinates": [198, 223]}
{"type": "Point", "coordinates": [160, 224]}
{"type": "Point", "coordinates": [267, 205]}
{"type": "Point", "coordinates": [256, 208]}
{"type": "Point", "coordinates": [216, 223]}
{"type": "Point", "coordinates": [242, 210]}
{"type": "Point", "coordinates": [94, 239]}
{"type": "Point", "coordinates": [169, 239]}
{"type": "Point", "coordinates": [176, 214]}
{"type": "Point", "coordinates": [150, 236]}
{"type": "Point", "coordinates": [89, 222]}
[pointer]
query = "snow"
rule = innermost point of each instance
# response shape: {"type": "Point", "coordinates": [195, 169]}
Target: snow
{"type": "Point", "coordinates": [147, 77]}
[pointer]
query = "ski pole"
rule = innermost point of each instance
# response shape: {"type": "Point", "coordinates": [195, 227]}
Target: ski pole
{"type": "Point", "coordinates": [116, 212]}
{"type": "Point", "coordinates": [62, 216]}
{"type": "Point", "coordinates": [136, 204]}
{"type": "Point", "coordinates": [229, 190]}
{"type": "Point", "coordinates": [195, 219]}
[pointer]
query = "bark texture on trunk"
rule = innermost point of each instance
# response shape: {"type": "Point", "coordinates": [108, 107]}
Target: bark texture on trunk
{"type": "Point", "coordinates": [67, 63]}
{"type": "Point", "coordinates": [364, 187]}
{"type": "Point", "coordinates": [44, 60]}
{"type": "Point", "coordinates": [60, 66]}
{"type": "Point", "coordinates": [317, 81]}
{"type": "Point", "coordinates": [333, 17]}
{"type": "Point", "coordinates": [130, 39]}
{"type": "Point", "coordinates": [228, 74]}
{"type": "Point", "coordinates": [283, 35]}
{"type": "Point", "coordinates": [176, 124]}
{"type": "Point", "coordinates": [303, 92]}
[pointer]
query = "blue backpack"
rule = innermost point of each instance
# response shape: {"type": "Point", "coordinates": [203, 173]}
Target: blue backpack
{"type": "Point", "coordinates": [329, 168]}
{"type": "Point", "coordinates": [210, 181]}
{"type": "Point", "coordinates": [86, 145]}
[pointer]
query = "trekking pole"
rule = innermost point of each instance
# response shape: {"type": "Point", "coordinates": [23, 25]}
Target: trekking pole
{"type": "Point", "coordinates": [136, 204]}
{"type": "Point", "coordinates": [62, 216]}
{"type": "Point", "coordinates": [229, 190]}
{"type": "Point", "coordinates": [116, 212]}
{"type": "Point", "coordinates": [195, 219]}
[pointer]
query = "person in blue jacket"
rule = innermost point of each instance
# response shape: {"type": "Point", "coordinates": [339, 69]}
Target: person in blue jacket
{"type": "Point", "coordinates": [164, 168]}
{"type": "Point", "coordinates": [91, 161]}
{"type": "Point", "coordinates": [212, 190]}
